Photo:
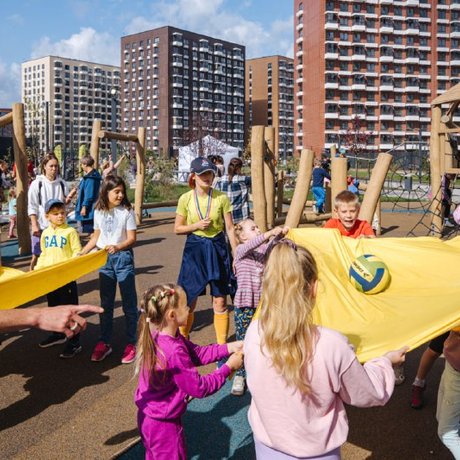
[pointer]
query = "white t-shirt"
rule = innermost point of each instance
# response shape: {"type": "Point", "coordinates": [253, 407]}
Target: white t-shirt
{"type": "Point", "coordinates": [113, 225]}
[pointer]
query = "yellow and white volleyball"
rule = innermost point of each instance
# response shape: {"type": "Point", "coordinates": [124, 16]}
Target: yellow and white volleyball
{"type": "Point", "coordinates": [369, 274]}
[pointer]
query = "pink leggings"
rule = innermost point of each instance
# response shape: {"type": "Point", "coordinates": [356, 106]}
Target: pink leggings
{"type": "Point", "coordinates": [162, 439]}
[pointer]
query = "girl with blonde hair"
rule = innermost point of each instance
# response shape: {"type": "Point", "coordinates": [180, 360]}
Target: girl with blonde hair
{"type": "Point", "coordinates": [300, 374]}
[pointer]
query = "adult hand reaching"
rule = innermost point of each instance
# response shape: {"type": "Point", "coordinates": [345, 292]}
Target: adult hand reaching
{"type": "Point", "coordinates": [63, 318]}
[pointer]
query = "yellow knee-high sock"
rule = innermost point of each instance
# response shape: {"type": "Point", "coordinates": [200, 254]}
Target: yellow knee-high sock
{"type": "Point", "coordinates": [221, 327]}
{"type": "Point", "coordinates": [185, 330]}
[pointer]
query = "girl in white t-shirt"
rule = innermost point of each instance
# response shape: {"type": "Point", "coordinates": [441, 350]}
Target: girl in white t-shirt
{"type": "Point", "coordinates": [115, 231]}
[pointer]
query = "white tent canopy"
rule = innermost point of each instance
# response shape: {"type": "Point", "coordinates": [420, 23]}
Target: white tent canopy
{"type": "Point", "coordinates": [210, 146]}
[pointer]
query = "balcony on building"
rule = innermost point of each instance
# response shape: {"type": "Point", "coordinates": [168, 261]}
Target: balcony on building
{"type": "Point", "coordinates": [358, 23]}
{"type": "Point", "coordinates": [386, 25]}
{"type": "Point", "coordinates": [386, 83]}
{"type": "Point", "coordinates": [359, 82]}
{"type": "Point", "coordinates": [412, 27]}
{"type": "Point", "coordinates": [331, 21]}
{"type": "Point", "coordinates": [386, 53]}
{"type": "Point", "coordinates": [359, 53]}
{"type": "Point", "coordinates": [412, 84]}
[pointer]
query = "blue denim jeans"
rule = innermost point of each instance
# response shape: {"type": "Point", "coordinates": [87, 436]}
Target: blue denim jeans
{"type": "Point", "coordinates": [118, 269]}
{"type": "Point", "coordinates": [320, 196]}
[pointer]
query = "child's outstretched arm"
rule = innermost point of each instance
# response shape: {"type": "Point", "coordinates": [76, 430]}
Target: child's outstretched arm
{"type": "Point", "coordinates": [202, 355]}
{"type": "Point", "coordinates": [188, 379]}
{"type": "Point", "coordinates": [371, 384]}
{"type": "Point", "coordinates": [91, 244]}
{"type": "Point", "coordinates": [244, 249]}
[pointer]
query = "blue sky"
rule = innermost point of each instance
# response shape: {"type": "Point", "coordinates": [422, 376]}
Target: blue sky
{"type": "Point", "coordinates": [91, 30]}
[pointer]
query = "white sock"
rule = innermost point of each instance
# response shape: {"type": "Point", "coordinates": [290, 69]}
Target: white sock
{"type": "Point", "coordinates": [419, 382]}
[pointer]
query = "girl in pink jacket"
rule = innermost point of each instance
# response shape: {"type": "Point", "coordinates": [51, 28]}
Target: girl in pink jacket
{"type": "Point", "coordinates": [166, 363]}
{"type": "Point", "coordinates": [299, 374]}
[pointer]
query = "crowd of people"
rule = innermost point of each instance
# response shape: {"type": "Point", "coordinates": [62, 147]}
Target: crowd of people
{"type": "Point", "coordinates": [300, 375]}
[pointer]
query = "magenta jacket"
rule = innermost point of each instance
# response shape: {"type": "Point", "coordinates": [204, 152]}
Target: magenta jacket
{"type": "Point", "coordinates": [180, 378]}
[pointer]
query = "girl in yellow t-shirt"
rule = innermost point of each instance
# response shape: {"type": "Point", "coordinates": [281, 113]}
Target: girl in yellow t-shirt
{"type": "Point", "coordinates": [202, 214]}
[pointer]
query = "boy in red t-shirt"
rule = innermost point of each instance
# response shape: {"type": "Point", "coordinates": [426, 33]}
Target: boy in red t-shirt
{"type": "Point", "coordinates": [346, 205]}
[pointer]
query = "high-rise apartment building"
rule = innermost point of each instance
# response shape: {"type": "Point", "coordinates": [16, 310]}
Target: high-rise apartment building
{"type": "Point", "coordinates": [178, 84]}
{"type": "Point", "coordinates": [382, 60]}
{"type": "Point", "coordinates": [63, 96]}
{"type": "Point", "coordinates": [6, 136]}
{"type": "Point", "coordinates": [270, 99]}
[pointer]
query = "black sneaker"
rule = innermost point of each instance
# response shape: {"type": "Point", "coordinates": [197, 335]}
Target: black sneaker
{"type": "Point", "coordinates": [70, 350]}
{"type": "Point", "coordinates": [53, 339]}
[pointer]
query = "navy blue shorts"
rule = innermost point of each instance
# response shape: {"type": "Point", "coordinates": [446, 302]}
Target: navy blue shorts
{"type": "Point", "coordinates": [206, 261]}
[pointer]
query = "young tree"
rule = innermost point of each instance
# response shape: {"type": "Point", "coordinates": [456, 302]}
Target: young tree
{"type": "Point", "coordinates": [204, 135]}
{"type": "Point", "coordinates": [354, 139]}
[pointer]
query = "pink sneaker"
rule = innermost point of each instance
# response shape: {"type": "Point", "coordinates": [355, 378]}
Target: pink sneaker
{"type": "Point", "coordinates": [129, 355]}
{"type": "Point", "coordinates": [101, 351]}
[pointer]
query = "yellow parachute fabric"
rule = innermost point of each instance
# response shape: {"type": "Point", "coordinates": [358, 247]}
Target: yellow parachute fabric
{"type": "Point", "coordinates": [421, 302]}
{"type": "Point", "coordinates": [18, 288]}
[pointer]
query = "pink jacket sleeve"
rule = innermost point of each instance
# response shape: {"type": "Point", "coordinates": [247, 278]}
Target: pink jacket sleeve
{"type": "Point", "coordinates": [201, 355]}
{"type": "Point", "coordinates": [368, 385]}
{"type": "Point", "coordinates": [187, 378]}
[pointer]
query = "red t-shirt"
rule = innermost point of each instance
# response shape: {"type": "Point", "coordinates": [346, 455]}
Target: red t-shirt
{"type": "Point", "coordinates": [361, 227]}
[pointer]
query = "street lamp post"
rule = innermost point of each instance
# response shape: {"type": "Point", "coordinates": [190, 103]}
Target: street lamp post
{"type": "Point", "coordinates": [113, 123]}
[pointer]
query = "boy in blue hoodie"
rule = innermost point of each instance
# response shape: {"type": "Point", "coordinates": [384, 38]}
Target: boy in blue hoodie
{"type": "Point", "coordinates": [88, 193]}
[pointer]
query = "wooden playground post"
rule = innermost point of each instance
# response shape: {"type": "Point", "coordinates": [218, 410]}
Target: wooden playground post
{"type": "Point", "coordinates": [257, 173]}
{"type": "Point", "coordinates": [338, 177]}
{"type": "Point", "coordinates": [269, 174]}
{"type": "Point", "coordinates": [302, 187]}
{"type": "Point", "coordinates": [374, 187]}
{"type": "Point", "coordinates": [279, 193]}
{"type": "Point", "coordinates": [95, 142]}
{"type": "Point", "coordinates": [435, 171]}
{"type": "Point", "coordinates": [140, 174]}
{"type": "Point", "coordinates": [22, 182]}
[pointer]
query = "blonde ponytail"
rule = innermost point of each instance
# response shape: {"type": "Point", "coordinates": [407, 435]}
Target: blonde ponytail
{"type": "Point", "coordinates": [285, 315]}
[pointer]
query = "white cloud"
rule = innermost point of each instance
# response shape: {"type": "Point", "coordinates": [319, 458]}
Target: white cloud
{"type": "Point", "coordinates": [209, 17]}
{"type": "Point", "coordinates": [87, 45]}
{"type": "Point", "coordinates": [10, 84]}
{"type": "Point", "coordinates": [16, 19]}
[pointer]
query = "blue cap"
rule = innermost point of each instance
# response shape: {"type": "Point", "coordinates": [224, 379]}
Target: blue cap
{"type": "Point", "coordinates": [53, 202]}
{"type": "Point", "coordinates": [201, 165]}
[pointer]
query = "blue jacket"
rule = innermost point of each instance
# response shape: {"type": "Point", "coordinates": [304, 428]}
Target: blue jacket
{"type": "Point", "coordinates": [319, 174]}
{"type": "Point", "coordinates": [88, 193]}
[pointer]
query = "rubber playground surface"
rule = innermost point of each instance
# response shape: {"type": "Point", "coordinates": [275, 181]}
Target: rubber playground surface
{"type": "Point", "coordinates": [53, 409]}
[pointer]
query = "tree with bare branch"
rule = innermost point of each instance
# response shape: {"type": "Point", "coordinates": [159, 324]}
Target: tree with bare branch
{"type": "Point", "coordinates": [354, 139]}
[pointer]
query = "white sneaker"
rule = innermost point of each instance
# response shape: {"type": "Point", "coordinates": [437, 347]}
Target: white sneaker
{"type": "Point", "coordinates": [238, 386]}
{"type": "Point", "coordinates": [400, 376]}
{"type": "Point", "coordinates": [314, 209]}
{"type": "Point", "coordinates": [448, 223]}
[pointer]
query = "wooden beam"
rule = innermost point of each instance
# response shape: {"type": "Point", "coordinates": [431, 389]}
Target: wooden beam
{"type": "Point", "coordinates": [22, 182]}
{"type": "Point", "coordinates": [118, 136]}
{"type": "Point", "coordinates": [140, 174]}
{"type": "Point", "coordinates": [435, 172]}
{"type": "Point", "coordinates": [162, 204]}
{"type": "Point", "coordinates": [269, 174]}
{"type": "Point", "coordinates": [374, 187]}
{"type": "Point", "coordinates": [95, 142]}
{"type": "Point", "coordinates": [302, 187]}
{"type": "Point", "coordinates": [257, 172]}
{"type": "Point", "coordinates": [6, 119]}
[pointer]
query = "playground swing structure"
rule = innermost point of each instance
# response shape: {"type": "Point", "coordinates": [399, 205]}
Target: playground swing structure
{"type": "Point", "coordinates": [139, 139]}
